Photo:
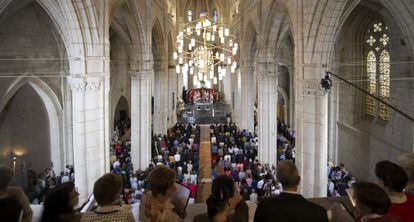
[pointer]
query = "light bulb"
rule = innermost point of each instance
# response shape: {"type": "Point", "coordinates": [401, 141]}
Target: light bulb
{"type": "Point", "coordinates": [226, 32]}
{"type": "Point", "coordinates": [175, 55]}
{"type": "Point", "coordinates": [177, 69]}
{"type": "Point", "coordinates": [180, 60]}
{"type": "Point", "coordinates": [234, 51]}
{"type": "Point", "coordinates": [223, 72]}
{"type": "Point", "coordinates": [228, 60]}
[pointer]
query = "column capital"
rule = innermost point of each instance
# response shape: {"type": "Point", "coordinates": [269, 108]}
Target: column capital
{"type": "Point", "coordinates": [82, 85]}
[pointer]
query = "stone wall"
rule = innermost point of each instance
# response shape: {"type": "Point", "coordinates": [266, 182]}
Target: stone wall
{"type": "Point", "coordinates": [30, 51]}
{"type": "Point", "coordinates": [24, 131]}
{"type": "Point", "coordinates": [363, 140]}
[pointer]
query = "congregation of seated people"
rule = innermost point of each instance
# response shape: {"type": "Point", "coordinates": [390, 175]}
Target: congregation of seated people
{"type": "Point", "coordinates": [178, 150]}
{"type": "Point", "coordinates": [234, 153]}
{"type": "Point", "coordinates": [390, 199]}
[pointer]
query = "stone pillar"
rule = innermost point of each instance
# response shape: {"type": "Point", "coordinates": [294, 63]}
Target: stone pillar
{"type": "Point", "coordinates": [172, 99]}
{"type": "Point", "coordinates": [311, 124]}
{"type": "Point", "coordinates": [90, 101]}
{"type": "Point", "coordinates": [227, 85]}
{"type": "Point", "coordinates": [247, 99]}
{"type": "Point", "coordinates": [140, 118]}
{"type": "Point", "coordinates": [267, 111]}
{"type": "Point", "coordinates": [156, 93]}
{"type": "Point", "coordinates": [236, 115]}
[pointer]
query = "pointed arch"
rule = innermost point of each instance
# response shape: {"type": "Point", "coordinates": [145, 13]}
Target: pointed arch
{"type": "Point", "coordinates": [54, 111]}
{"type": "Point", "coordinates": [158, 44]}
{"type": "Point", "coordinates": [250, 43]}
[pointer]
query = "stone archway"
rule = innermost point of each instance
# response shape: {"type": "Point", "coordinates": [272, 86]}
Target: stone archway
{"type": "Point", "coordinates": [54, 114]}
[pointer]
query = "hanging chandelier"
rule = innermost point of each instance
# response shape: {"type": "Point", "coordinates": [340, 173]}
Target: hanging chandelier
{"type": "Point", "coordinates": [205, 47]}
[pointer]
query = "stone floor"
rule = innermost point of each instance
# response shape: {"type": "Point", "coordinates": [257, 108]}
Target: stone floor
{"type": "Point", "coordinates": [204, 173]}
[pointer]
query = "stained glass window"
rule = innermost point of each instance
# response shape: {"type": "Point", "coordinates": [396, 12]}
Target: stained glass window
{"type": "Point", "coordinates": [384, 84]}
{"type": "Point", "coordinates": [372, 81]}
{"type": "Point", "coordinates": [378, 70]}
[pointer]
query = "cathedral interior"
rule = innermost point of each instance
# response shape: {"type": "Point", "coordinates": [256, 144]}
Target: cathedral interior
{"type": "Point", "coordinates": [71, 71]}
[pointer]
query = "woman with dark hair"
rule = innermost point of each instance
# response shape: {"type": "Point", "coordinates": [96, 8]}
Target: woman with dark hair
{"type": "Point", "coordinates": [59, 204]}
{"type": "Point", "coordinates": [372, 203]}
{"type": "Point", "coordinates": [225, 203]}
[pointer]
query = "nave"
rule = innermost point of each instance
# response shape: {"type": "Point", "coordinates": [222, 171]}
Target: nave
{"type": "Point", "coordinates": [231, 101]}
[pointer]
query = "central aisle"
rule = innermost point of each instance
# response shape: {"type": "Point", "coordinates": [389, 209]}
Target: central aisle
{"type": "Point", "coordinates": [204, 171]}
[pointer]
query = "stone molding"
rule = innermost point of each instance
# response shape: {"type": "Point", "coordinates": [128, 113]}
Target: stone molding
{"type": "Point", "coordinates": [82, 85]}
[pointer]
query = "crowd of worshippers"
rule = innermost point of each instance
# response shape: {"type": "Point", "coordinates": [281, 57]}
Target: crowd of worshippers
{"type": "Point", "coordinates": [234, 153]}
{"type": "Point", "coordinates": [339, 180]}
{"type": "Point", "coordinates": [285, 142]}
{"type": "Point", "coordinates": [39, 184]}
{"type": "Point", "coordinates": [179, 150]}
{"type": "Point", "coordinates": [121, 164]}
{"type": "Point", "coordinates": [390, 199]}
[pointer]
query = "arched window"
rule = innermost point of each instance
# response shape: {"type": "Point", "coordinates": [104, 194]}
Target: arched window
{"type": "Point", "coordinates": [378, 70]}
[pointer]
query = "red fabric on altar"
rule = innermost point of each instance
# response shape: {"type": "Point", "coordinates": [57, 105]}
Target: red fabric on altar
{"type": "Point", "coordinates": [202, 96]}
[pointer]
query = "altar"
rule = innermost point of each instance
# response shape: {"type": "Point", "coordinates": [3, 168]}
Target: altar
{"type": "Point", "coordinates": [202, 96]}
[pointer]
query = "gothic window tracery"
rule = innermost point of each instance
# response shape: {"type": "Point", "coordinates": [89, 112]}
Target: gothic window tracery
{"type": "Point", "coordinates": [378, 70]}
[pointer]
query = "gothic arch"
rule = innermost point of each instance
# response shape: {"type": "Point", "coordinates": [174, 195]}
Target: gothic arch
{"type": "Point", "coordinates": [122, 103]}
{"type": "Point", "coordinates": [54, 111]}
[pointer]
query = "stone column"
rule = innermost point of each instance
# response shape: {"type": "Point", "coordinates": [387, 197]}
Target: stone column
{"type": "Point", "coordinates": [236, 114]}
{"type": "Point", "coordinates": [311, 124]}
{"type": "Point", "coordinates": [247, 99]}
{"type": "Point", "coordinates": [156, 93]}
{"type": "Point", "coordinates": [140, 118]}
{"type": "Point", "coordinates": [172, 99]}
{"type": "Point", "coordinates": [89, 104]}
{"type": "Point", "coordinates": [227, 85]}
{"type": "Point", "coordinates": [267, 107]}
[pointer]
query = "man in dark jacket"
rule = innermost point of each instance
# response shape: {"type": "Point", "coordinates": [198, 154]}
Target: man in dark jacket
{"type": "Point", "coordinates": [289, 205]}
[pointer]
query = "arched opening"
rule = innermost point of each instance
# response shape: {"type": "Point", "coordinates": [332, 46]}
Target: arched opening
{"type": "Point", "coordinates": [122, 112]}
{"type": "Point", "coordinates": [32, 88]}
{"type": "Point", "coordinates": [283, 99]}
{"type": "Point", "coordinates": [35, 148]}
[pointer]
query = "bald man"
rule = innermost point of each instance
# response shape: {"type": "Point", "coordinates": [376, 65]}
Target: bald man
{"type": "Point", "coordinates": [289, 205]}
